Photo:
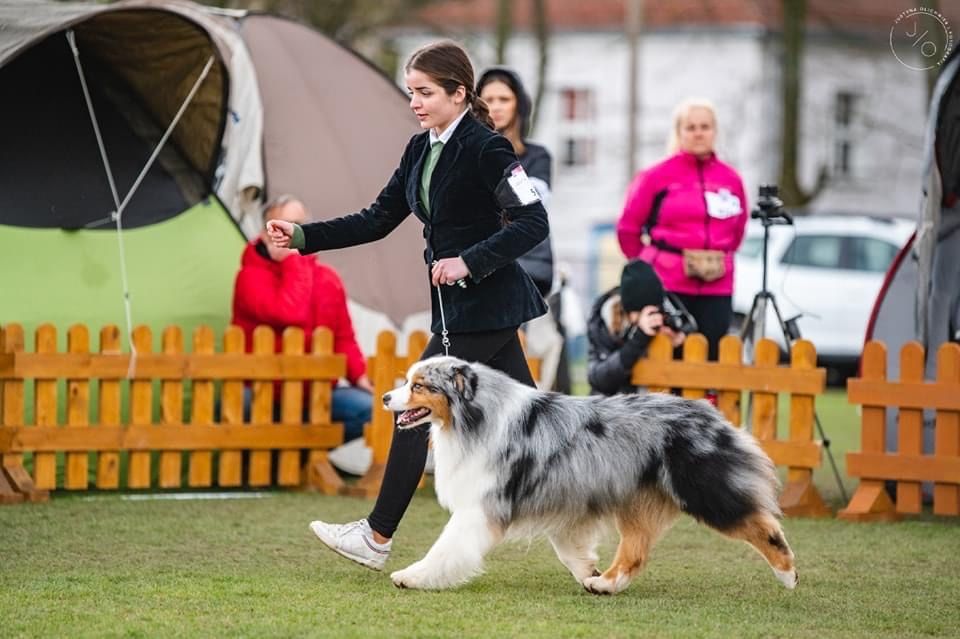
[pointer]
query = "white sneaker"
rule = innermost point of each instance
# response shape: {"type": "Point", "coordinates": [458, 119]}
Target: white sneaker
{"type": "Point", "coordinates": [353, 541]}
{"type": "Point", "coordinates": [354, 457]}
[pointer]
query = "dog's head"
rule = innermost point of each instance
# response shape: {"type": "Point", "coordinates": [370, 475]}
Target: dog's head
{"type": "Point", "coordinates": [436, 391]}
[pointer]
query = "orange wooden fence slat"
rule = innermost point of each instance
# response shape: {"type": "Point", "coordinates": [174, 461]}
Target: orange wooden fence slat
{"type": "Point", "coordinates": [764, 425]}
{"type": "Point", "coordinates": [262, 409]}
{"type": "Point", "coordinates": [660, 351]}
{"type": "Point", "coordinates": [694, 352]}
{"type": "Point", "coordinates": [78, 410]}
{"type": "Point", "coordinates": [141, 411]}
{"type": "Point", "coordinates": [319, 473]}
{"type": "Point", "coordinates": [905, 468]}
{"type": "Point", "coordinates": [45, 409]}
{"type": "Point", "coordinates": [946, 497]}
{"type": "Point", "coordinates": [200, 472]}
{"type": "Point", "coordinates": [108, 463]}
{"type": "Point", "coordinates": [11, 412]}
{"type": "Point", "coordinates": [171, 409]}
{"type": "Point", "coordinates": [230, 469]}
{"type": "Point", "coordinates": [910, 432]}
{"type": "Point", "coordinates": [870, 500]}
{"type": "Point", "coordinates": [291, 410]}
{"type": "Point", "coordinates": [728, 401]}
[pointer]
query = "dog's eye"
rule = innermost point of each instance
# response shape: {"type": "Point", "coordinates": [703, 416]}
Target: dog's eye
{"type": "Point", "coordinates": [417, 387]}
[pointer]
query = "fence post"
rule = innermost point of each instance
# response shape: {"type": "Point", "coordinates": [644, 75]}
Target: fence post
{"type": "Point", "coordinates": [871, 502]}
{"type": "Point", "coordinates": [230, 470]}
{"type": "Point", "coordinates": [381, 422]}
{"type": "Point", "coordinates": [660, 350]}
{"type": "Point", "coordinates": [800, 496]}
{"type": "Point", "coordinates": [946, 497]}
{"type": "Point", "coordinates": [15, 483]}
{"type": "Point", "coordinates": [320, 474]}
{"type": "Point", "coordinates": [171, 409]}
{"type": "Point", "coordinates": [78, 410]}
{"type": "Point", "coordinates": [108, 463]}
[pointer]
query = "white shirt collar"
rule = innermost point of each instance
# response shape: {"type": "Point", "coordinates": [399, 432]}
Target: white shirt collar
{"type": "Point", "coordinates": [448, 133]}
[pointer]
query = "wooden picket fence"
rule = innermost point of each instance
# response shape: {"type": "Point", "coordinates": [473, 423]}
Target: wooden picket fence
{"type": "Point", "coordinates": [101, 377]}
{"type": "Point", "coordinates": [907, 465]}
{"type": "Point", "coordinates": [801, 453]}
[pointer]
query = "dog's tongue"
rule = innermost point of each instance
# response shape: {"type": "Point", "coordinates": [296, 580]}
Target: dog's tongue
{"type": "Point", "coordinates": [412, 415]}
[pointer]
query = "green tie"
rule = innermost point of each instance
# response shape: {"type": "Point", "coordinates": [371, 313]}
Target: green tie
{"type": "Point", "coordinates": [431, 162]}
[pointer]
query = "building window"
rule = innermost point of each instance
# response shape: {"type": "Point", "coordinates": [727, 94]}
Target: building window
{"type": "Point", "coordinates": [844, 121]}
{"type": "Point", "coordinates": [577, 117]}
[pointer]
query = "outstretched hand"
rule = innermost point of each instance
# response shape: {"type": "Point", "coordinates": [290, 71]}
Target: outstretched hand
{"type": "Point", "coordinates": [280, 233]}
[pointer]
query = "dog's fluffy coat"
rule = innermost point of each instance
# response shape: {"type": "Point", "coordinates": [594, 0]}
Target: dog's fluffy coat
{"type": "Point", "coordinates": [514, 461]}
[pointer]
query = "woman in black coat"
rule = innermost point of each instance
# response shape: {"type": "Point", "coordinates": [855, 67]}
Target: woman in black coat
{"type": "Point", "coordinates": [480, 213]}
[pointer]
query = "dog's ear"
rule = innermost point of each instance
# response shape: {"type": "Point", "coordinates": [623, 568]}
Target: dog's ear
{"type": "Point", "coordinates": [465, 381]}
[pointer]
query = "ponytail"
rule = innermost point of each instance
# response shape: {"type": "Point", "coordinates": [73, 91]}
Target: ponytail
{"type": "Point", "coordinates": [480, 109]}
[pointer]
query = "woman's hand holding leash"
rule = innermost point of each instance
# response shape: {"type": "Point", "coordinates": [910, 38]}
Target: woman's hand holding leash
{"type": "Point", "coordinates": [450, 271]}
{"type": "Point", "coordinates": [280, 232]}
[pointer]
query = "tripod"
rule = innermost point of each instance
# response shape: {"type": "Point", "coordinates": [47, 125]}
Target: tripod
{"type": "Point", "coordinates": [770, 212]}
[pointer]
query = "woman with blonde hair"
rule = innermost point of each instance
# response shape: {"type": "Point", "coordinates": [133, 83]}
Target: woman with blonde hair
{"type": "Point", "coordinates": [686, 216]}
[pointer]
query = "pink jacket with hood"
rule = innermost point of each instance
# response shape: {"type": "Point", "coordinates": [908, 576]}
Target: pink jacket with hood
{"type": "Point", "coordinates": [703, 206]}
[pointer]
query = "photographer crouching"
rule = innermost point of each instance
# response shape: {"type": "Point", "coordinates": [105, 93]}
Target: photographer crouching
{"type": "Point", "coordinates": [622, 323]}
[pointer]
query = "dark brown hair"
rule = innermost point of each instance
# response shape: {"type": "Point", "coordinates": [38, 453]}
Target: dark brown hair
{"type": "Point", "coordinates": [447, 63]}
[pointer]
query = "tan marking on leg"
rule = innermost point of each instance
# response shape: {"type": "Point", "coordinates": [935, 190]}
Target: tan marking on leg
{"type": "Point", "coordinates": [641, 524]}
{"type": "Point", "coordinates": [763, 532]}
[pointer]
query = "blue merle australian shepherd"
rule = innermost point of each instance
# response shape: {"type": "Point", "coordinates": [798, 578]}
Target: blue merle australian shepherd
{"type": "Point", "coordinates": [513, 461]}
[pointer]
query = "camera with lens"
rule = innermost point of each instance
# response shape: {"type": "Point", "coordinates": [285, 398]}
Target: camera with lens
{"type": "Point", "coordinates": [770, 207]}
{"type": "Point", "coordinates": [676, 316]}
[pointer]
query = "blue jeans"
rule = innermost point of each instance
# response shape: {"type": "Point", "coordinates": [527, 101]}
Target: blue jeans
{"type": "Point", "coordinates": [351, 405]}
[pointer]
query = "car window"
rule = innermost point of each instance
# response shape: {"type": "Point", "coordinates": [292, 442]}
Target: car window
{"type": "Point", "coordinates": [751, 247]}
{"type": "Point", "coordinates": [870, 254]}
{"type": "Point", "coordinates": [818, 251]}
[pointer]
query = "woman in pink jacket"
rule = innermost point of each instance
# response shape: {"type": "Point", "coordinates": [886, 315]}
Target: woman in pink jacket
{"type": "Point", "coordinates": [686, 216]}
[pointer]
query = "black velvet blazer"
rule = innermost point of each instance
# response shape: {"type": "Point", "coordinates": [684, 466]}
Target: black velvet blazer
{"type": "Point", "coordinates": [466, 220]}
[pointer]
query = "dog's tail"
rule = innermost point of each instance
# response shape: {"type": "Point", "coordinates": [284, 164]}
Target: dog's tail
{"type": "Point", "coordinates": [719, 474]}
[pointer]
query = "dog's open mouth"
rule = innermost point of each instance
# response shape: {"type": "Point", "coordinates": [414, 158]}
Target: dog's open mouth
{"type": "Point", "coordinates": [412, 417]}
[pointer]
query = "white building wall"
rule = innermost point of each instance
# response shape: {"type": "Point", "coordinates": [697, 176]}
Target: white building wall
{"type": "Point", "coordinates": [739, 70]}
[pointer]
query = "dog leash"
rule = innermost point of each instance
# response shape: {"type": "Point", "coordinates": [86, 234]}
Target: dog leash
{"type": "Point", "coordinates": [444, 335]}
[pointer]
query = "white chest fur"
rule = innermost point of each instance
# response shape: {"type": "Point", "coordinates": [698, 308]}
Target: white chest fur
{"type": "Point", "coordinates": [460, 480]}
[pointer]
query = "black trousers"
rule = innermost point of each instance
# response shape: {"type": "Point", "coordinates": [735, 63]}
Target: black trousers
{"type": "Point", "coordinates": [713, 313]}
{"type": "Point", "coordinates": [408, 453]}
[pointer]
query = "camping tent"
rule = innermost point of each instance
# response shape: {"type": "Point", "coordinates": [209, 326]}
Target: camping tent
{"type": "Point", "coordinates": [262, 102]}
{"type": "Point", "coordinates": [920, 299]}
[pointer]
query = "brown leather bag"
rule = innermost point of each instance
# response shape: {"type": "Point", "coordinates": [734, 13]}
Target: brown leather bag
{"type": "Point", "coordinates": [703, 264]}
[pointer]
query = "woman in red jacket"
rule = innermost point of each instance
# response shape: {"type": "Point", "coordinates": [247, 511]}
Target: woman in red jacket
{"type": "Point", "coordinates": [686, 216]}
{"type": "Point", "coordinates": [278, 287]}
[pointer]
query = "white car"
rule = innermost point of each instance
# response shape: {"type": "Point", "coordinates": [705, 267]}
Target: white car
{"type": "Point", "coordinates": [828, 270]}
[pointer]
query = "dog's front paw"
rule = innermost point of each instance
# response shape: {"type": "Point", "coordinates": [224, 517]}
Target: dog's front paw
{"type": "Point", "coordinates": [409, 577]}
{"type": "Point", "coordinates": [599, 585]}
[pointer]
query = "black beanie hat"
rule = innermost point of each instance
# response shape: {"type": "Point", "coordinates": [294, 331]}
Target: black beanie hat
{"type": "Point", "coordinates": [512, 80]}
{"type": "Point", "coordinates": [640, 286]}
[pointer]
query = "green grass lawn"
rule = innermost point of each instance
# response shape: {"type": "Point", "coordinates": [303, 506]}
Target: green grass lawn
{"type": "Point", "coordinates": [106, 566]}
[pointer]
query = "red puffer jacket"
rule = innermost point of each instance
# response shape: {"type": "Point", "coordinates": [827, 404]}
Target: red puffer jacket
{"type": "Point", "coordinates": [298, 291]}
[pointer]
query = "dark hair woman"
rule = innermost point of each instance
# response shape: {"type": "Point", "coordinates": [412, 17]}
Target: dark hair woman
{"type": "Point", "coordinates": [456, 177]}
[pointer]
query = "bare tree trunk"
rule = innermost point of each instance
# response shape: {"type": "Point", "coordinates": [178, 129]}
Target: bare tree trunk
{"type": "Point", "coordinates": [504, 27]}
{"type": "Point", "coordinates": [541, 28]}
{"type": "Point", "coordinates": [794, 18]}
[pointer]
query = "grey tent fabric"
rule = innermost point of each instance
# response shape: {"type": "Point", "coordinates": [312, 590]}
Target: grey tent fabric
{"type": "Point", "coordinates": [334, 131]}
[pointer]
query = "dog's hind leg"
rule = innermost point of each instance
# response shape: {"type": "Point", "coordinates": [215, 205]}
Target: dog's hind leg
{"type": "Point", "coordinates": [641, 524]}
{"type": "Point", "coordinates": [456, 555]}
{"type": "Point", "coordinates": [763, 531]}
{"type": "Point", "coordinates": [576, 547]}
